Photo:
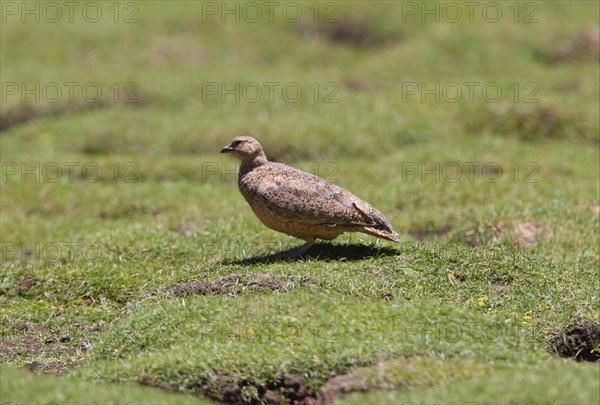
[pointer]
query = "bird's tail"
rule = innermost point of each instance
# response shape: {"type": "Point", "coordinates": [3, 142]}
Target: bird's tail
{"type": "Point", "coordinates": [376, 224]}
{"type": "Point", "coordinates": [383, 233]}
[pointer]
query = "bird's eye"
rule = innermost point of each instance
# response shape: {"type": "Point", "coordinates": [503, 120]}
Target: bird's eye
{"type": "Point", "coordinates": [235, 143]}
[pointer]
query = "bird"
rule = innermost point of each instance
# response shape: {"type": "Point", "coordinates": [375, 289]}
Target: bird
{"type": "Point", "coordinates": [300, 204]}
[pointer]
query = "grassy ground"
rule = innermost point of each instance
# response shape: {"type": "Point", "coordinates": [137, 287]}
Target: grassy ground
{"type": "Point", "coordinates": [130, 258]}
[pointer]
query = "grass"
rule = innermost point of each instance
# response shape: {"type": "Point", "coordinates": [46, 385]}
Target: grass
{"type": "Point", "coordinates": [25, 387]}
{"type": "Point", "coordinates": [570, 386]}
{"type": "Point", "coordinates": [130, 258]}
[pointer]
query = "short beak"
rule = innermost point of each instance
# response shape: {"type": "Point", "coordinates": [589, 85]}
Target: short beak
{"type": "Point", "coordinates": [226, 149]}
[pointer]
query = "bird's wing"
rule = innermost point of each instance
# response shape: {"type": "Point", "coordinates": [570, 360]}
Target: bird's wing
{"type": "Point", "coordinates": [294, 195]}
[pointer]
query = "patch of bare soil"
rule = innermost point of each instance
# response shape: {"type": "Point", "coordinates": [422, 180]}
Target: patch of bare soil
{"type": "Point", "coordinates": [342, 385]}
{"type": "Point", "coordinates": [288, 389]}
{"type": "Point", "coordinates": [57, 351]}
{"type": "Point", "coordinates": [350, 31]}
{"type": "Point", "coordinates": [531, 121]}
{"type": "Point", "coordinates": [580, 339]}
{"type": "Point", "coordinates": [17, 115]}
{"type": "Point", "coordinates": [583, 46]}
{"type": "Point", "coordinates": [235, 284]}
{"type": "Point", "coordinates": [357, 85]}
{"type": "Point", "coordinates": [188, 228]}
{"type": "Point", "coordinates": [526, 233]}
{"type": "Point", "coordinates": [23, 114]}
{"type": "Point", "coordinates": [428, 232]}
{"type": "Point", "coordinates": [26, 283]}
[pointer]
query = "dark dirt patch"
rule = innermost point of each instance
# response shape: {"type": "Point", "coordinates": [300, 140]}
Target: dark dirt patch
{"type": "Point", "coordinates": [481, 235]}
{"type": "Point", "coordinates": [26, 346]}
{"type": "Point", "coordinates": [188, 228]}
{"type": "Point", "coordinates": [580, 339]}
{"type": "Point", "coordinates": [353, 31]}
{"type": "Point", "coordinates": [33, 366]}
{"type": "Point", "coordinates": [286, 389]}
{"type": "Point", "coordinates": [585, 46]}
{"type": "Point", "coordinates": [357, 85]}
{"type": "Point", "coordinates": [234, 285]}
{"type": "Point", "coordinates": [55, 351]}
{"type": "Point", "coordinates": [526, 233]}
{"type": "Point", "coordinates": [348, 32]}
{"type": "Point", "coordinates": [17, 115]}
{"type": "Point", "coordinates": [342, 385]}
{"type": "Point", "coordinates": [428, 231]}
{"type": "Point", "coordinates": [24, 113]}
{"type": "Point", "coordinates": [25, 285]}
{"type": "Point", "coordinates": [456, 278]}
{"type": "Point", "coordinates": [530, 121]}
{"type": "Point", "coordinates": [117, 211]}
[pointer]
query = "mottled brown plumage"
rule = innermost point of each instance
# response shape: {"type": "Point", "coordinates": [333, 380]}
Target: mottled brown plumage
{"type": "Point", "coordinates": [300, 204]}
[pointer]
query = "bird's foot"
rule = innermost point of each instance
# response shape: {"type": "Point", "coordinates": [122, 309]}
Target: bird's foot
{"type": "Point", "coordinates": [288, 254]}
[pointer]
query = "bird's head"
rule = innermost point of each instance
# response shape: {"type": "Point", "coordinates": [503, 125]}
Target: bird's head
{"type": "Point", "coordinates": [246, 148]}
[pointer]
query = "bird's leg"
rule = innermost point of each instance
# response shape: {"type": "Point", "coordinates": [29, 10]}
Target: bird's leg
{"type": "Point", "coordinates": [296, 251]}
{"type": "Point", "coordinates": [305, 247]}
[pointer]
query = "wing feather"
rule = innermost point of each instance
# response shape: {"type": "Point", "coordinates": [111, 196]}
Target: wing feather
{"type": "Point", "coordinates": [295, 195]}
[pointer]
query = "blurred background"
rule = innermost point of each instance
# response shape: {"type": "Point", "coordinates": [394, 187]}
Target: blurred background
{"type": "Point", "coordinates": [183, 77]}
{"type": "Point", "coordinates": [472, 125]}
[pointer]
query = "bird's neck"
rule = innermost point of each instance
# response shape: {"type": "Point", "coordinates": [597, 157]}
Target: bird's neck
{"type": "Point", "coordinates": [253, 162]}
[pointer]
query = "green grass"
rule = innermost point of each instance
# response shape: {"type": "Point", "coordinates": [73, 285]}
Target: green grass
{"type": "Point", "coordinates": [493, 263]}
{"type": "Point", "coordinates": [24, 387]}
{"type": "Point", "coordinates": [570, 385]}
